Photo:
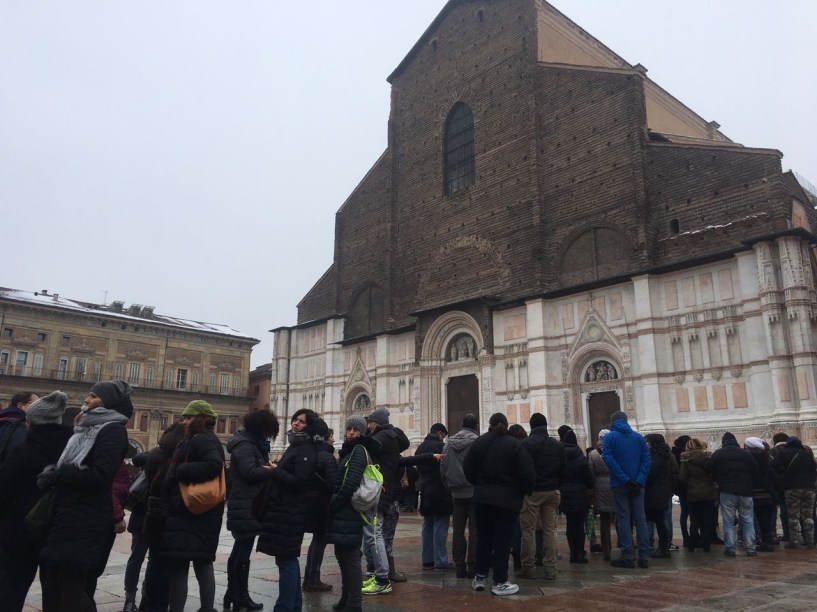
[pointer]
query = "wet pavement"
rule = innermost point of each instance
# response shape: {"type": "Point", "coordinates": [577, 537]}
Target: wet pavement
{"type": "Point", "coordinates": [782, 580]}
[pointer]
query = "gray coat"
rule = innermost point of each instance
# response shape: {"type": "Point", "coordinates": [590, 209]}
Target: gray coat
{"type": "Point", "coordinates": [451, 465]}
{"type": "Point", "coordinates": [603, 492]}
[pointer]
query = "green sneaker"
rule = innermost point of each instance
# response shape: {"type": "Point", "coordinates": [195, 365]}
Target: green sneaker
{"type": "Point", "coordinates": [375, 588]}
{"type": "Point", "coordinates": [368, 580]}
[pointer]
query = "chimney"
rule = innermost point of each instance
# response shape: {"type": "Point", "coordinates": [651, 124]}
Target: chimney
{"type": "Point", "coordinates": [116, 306]}
{"type": "Point", "coordinates": [44, 291]}
{"type": "Point", "coordinates": [56, 296]}
{"type": "Point", "coordinates": [147, 312]}
{"type": "Point", "coordinates": [135, 309]}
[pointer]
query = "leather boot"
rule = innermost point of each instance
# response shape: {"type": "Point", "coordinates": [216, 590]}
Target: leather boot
{"type": "Point", "coordinates": [242, 593]}
{"type": "Point", "coordinates": [394, 575]}
{"type": "Point", "coordinates": [130, 603]}
{"type": "Point", "coordinates": [229, 596]}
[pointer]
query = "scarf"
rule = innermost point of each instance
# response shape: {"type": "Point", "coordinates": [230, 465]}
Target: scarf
{"type": "Point", "coordinates": [261, 444]}
{"type": "Point", "coordinates": [85, 433]}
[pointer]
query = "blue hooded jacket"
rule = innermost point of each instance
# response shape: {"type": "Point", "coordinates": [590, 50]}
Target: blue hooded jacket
{"type": "Point", "coordinates": [626, 454]}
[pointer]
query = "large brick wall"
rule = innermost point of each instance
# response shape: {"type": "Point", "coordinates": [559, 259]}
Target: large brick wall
{"type": "Point", "coordinates": [569, 187]}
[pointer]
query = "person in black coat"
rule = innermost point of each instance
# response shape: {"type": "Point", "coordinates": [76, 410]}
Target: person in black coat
{"type": "Point", "coordinates": [436, 505]}
{"type": "Point", "coordinates": [501, 471]}
{"type": "Point", "coordinates": [83, 505]}
{"type": "Point", "coordinates": [250, 469]}
{"type": "Point", "coordinates": [19, 549]}
{"type": "Point", "coordinates": [138, 546]}
{"type": "Point", "coordinates": [796, 466]}
{"type": "Point", "coordinates": [190, 537]}
{"type": "Point", "coordinates": [576, 492]}
{"type": "Point", "coordinates": [326, 470]}
{"type": "Point", "coordinates": [378, 538]}
{"type": "Point", "coordinates": [345, 526]}
{"type": "Point", "coordinates": [658, 490]}
{"type": "Point", "coordinates": [735, 473]}
{"type": "Point", "coordinates": [287, 508]}
{"type": "Point", "coordinates": [764, 492]}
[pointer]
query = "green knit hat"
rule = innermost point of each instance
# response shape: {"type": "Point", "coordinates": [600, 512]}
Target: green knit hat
{"type": "Point", "coordinates": [199, 407]}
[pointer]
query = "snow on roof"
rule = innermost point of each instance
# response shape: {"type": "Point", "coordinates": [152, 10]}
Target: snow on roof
{"type": "Point", "coordinates": [55, 300]}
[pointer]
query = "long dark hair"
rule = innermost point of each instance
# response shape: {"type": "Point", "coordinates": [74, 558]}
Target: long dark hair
{"type": "Point", "coordinates": [199, 424]}
{"type": "Point", "coordinates": [162, 456]}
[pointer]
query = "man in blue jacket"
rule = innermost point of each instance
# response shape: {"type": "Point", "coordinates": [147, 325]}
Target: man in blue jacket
{"type": "Point", "coordinates": [626, 454]}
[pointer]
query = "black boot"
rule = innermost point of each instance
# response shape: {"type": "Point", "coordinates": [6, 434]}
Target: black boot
{"type": "Point", "coordinates": [229, 596]}
{"type": "Point", "coordinates": [242, 593]}
{"type": "Point", "coordinates": [130, 603]}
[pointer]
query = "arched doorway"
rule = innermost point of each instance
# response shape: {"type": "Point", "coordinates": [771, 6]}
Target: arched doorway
{"type": "Point", "coordinates": [601, 393]}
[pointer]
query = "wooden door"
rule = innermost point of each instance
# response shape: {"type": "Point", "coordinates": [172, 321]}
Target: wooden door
{"type": "Point", "coordinates": [601, 406]}
{"type": "Point", "coordinates": [462, 397]}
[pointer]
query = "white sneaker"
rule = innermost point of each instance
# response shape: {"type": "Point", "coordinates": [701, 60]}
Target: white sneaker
{"type": "Point", "coordinates": [478, 583]}
{"type": "Point", "coordinates": [505, 588]}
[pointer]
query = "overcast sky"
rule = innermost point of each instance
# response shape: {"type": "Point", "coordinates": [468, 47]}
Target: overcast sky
{"type": "Point", "coordinates": [191, 154]}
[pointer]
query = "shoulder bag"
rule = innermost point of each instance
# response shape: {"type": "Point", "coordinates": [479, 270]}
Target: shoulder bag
{"type": "Point", "coordinates": [200, 497]}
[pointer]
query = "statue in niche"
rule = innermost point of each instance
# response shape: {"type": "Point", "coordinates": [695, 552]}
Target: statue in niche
{"type": "Point", "coordinates": [454, 352]}
{"type": "Point", "coordinates": [472, 346]}
{"type": "Point", "coordinates": [362, 403]}
{"type": "Point", "coordinates": [463, 348]}
{"type": "Point", "coordinates": [600, 371]}
{"type": "Point", "coordinates": [591, 374]}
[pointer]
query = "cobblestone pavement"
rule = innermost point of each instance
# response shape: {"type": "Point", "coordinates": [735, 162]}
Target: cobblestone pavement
{"type": "Point", "coordinates": [783, 580]}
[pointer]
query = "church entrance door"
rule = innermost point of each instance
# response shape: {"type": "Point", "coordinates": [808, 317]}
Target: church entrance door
{"type": "Point", "coordinates": [462, 397]}
{"type": "Point", "coordinates": [600, 407]}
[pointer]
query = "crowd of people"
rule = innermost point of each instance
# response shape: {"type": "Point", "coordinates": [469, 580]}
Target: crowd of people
{"type": "Point", "coordinates": [66, 488]}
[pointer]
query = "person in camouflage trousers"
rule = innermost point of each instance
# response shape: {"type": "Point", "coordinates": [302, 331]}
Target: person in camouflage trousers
{"type": "Point", "coordinates": [796, 466]}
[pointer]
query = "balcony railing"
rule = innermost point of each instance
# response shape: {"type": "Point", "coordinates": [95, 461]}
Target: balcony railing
{"type": "Point", "coordinates": [28, 371]}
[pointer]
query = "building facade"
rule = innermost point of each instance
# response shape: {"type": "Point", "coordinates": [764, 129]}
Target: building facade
{"type": "Point", "coordinates": [259, 390]}
{"type": "Point", "coordinates": [48, 342]}
{"type": "Point", "coordinates": [550, 231]}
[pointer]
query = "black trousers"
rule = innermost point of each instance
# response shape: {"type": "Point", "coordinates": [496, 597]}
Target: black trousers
{"type": "Point", "coordinates": [495, 527]}
{"type": "Point", "coordinates": [351, 577]}
{"type": "Point", "coordinates": [576, 534]}
{"type": "Point", "coordinates": [701, 523]}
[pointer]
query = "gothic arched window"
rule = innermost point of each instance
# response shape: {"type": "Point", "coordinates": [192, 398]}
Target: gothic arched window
{"type": "Point", "coordinates": [458, 148]}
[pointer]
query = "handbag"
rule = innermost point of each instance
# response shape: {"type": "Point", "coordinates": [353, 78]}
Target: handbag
{"type": "Point", "coordinates": [39, 518]}
{"type": "Point", "coordinates": [138, 492]}
{"type": "Point", "coordinates": [200, 497]}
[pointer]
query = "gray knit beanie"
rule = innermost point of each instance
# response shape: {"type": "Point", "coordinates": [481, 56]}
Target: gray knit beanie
{"type": "Point", "coordinates": [356, 421]}
{"type": "Point", "coordinates": [48, 409]}
{"type": "Point", "coordinates": [379, 416]}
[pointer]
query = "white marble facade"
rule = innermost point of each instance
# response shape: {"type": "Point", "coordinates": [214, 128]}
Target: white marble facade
{"type": "Point", "coordinates": [724, 346]}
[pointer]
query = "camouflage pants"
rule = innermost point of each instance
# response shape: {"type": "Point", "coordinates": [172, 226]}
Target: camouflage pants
{"type": "Point", "coordinates": [800, 507]}
{"type": "Point", "coordinates": [390, 518]}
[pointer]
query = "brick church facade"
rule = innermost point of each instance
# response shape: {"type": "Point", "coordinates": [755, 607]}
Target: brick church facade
{"type": "Point", "coordinates": [550, 231]}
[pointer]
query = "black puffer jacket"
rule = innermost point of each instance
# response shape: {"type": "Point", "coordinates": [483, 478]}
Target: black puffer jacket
{"type": "Point", "coordinates": [247, 476]}
{"type": "Point", "coordinates": [326, 472]}
{"type": "Point", "coordinates": [577, 485]}
{"type": "Point", "coordinates": [288, 504]}
{"type": "Point", "coordinates": [501, 470]}
{"type": "Point", "coordinates": [189, 536]}
{"type": "Point", "coordinates": [345, 525]}
{"type": "Point", "coordinates": [734, 470]}
{"type": "Point", "coordinates": [795, 465]}
{"type": "Point", "coordinates": [392, 442]}
{"type": "Point", "coordinates": [43, 445]}
{"type": "Point", "coordinates": [661, 479]}
{"type": "Point", "coordinates": [435, 498]}
{"type": "Point", "coordinates": [548, 456]}
{"type": "Point", "coordinates": [82, 525]}
{"type": "Point", "coordinates": [696, 475]}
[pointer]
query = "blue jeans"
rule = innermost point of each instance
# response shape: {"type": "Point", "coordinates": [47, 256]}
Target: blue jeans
{"type": "Point", "coordinates": [631, 507]}
{"type": "Point", "coordinates": [289, 585]}
{"type": "Point", "coordinates": [434, 538]}
{"type": "Point", "coordinates": [374, 546]}
{"type": "Point", "coordinates": [745, 508]}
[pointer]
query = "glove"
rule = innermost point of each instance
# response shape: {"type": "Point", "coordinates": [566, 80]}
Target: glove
{"type": "Point", "coordinates": [633, 488]}
{"type": "Point", "coordinates": [47, 478]}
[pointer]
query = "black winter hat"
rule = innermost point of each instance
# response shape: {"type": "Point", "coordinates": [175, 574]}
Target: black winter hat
{"type": "Point", "coordinates": [115, 395]}
{"type": "Point", "coordinates": [537, 419]}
